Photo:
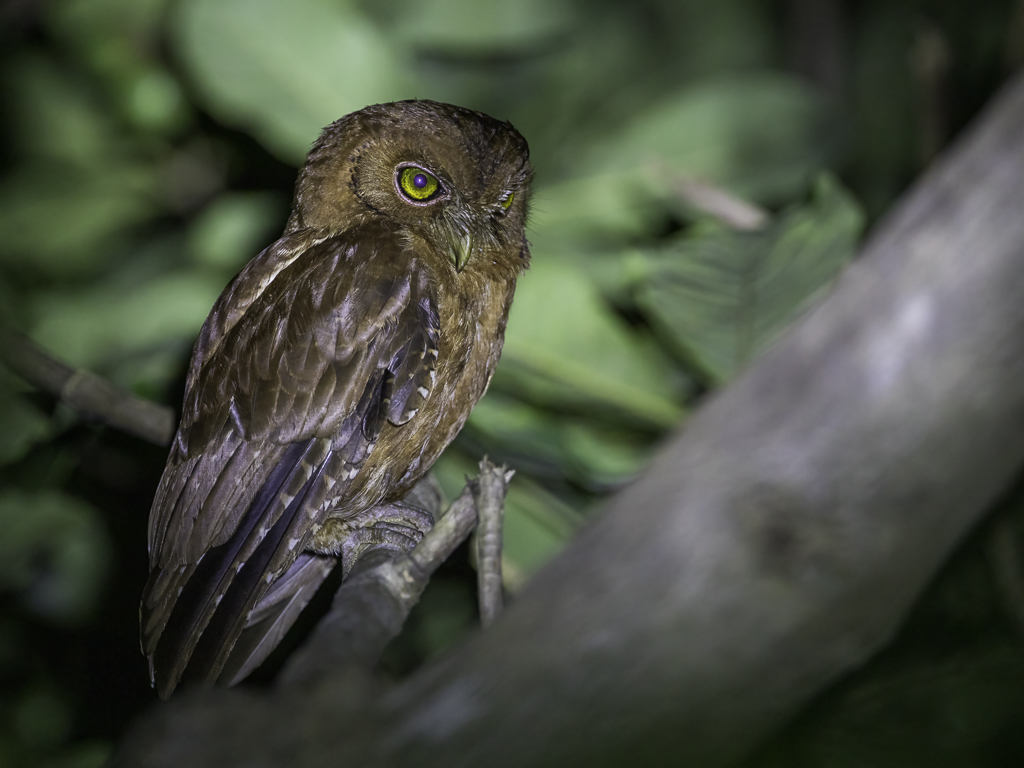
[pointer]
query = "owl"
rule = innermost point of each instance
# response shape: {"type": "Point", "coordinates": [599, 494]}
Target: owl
{"type": "Point", "coordinates": [330, 375]}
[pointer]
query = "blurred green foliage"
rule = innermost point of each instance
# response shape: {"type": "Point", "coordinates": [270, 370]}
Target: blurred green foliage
{"type": "Point", "coordinates": [717, 295]}
{"type": "Point", "coordinates": [149, 153]}
{"type": "Point", "coordinates": [53, 552]}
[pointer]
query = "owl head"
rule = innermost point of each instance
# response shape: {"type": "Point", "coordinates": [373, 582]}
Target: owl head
{"type": "Point", "coordinates": [450, 180]}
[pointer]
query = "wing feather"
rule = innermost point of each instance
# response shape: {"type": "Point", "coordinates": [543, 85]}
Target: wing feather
{"type": "Point", "coordinates": [291, 381]}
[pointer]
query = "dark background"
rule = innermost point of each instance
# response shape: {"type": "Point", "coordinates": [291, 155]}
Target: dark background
{"type": "Point", "coordinates": [149, 148]}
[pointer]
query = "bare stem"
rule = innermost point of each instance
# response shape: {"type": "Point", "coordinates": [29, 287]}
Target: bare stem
{"type": "Point", "coordinates": [87, 393]}
{"type": "Point", "coordinates": [489, 492]}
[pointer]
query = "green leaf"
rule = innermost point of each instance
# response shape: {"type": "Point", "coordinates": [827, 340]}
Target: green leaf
{"type": "Point", "coordinates": [516, 429]}
{"type": "Point", "coordinates": [83, 185]}
{"type": "Point", "coordinates": [117, 23]}
{"type": "Point", "coordinates": [595, 455]}
{"type": "Point", "coordinates": [723, 36]}
{"type": "Point", "coordinates": [54, 118]}
{"type": "Point", "coordinates": [592, 210]}
{"type": "Point", "coordinates": [233, 228]}
{"type": "Point", "coordinates": [719, 296]}
{"type": "Point", "coordinates": [54, 552]}
{"type": "Point", "coordinates": [537, 527]}
{"type": "Point", "coordinates": [104, 325]}
{"type": "Point", "coordinates": [283, 69]}
{"type": "Point", "coordinates": [604, 457]}
{"type": "Point", "coordinates": [565, 347]}
{"type": "Point", "coordinates": [760, 136]}
{"type": "Point", "coordinates": [468, 26]}
{"type": "Point", "coordinates": [120, 40]}
{"type": "Point", "coordinates": [61, 222]}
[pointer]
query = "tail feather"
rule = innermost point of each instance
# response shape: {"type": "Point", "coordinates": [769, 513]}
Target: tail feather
{"type": "Point", "coordinates": [275, 614]}
{"type": "Point", "coordinates": [200, 594]}
{"type": "Point", "coordinates": [243, 592]}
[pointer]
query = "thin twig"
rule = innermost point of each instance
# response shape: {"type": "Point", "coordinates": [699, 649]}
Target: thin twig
{"type": "Point", "coordinates": [732, 211]}
{"type": "Point", "coordinates": [446, 535]}
{"type": "Point", "coordinates": [85, 392]}
{"type": "Point", "coordinates": [489, 492]}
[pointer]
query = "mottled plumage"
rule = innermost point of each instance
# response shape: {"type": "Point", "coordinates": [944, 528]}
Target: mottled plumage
{"type": "Point", "coordinates": [330, 375]}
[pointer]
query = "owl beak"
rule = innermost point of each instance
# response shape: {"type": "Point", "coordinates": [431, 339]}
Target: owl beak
{"type": "Point", "coordinates": [461, 250]}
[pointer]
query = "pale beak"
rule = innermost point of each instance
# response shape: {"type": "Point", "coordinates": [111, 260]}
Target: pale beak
{"type": "Point", "coordinates": [461, 250]}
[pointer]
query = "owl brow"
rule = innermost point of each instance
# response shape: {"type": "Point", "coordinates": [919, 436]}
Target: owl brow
{"type": "Point", "coordinates": [478, 144]}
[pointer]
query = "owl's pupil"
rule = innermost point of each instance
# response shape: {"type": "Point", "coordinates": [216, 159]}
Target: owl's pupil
{"type": "Point", "coordinates": [417, 185]}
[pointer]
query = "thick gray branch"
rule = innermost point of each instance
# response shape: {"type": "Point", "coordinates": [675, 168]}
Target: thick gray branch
{"type": "Point", "coordinates": [775, 544]}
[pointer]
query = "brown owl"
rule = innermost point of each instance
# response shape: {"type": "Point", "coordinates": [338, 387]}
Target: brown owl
{"type": "Point", "coordinates": [330, 375]}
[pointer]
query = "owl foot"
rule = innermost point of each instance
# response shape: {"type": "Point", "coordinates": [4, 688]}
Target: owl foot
{"type": "Point", "coordinates": [396, 528]}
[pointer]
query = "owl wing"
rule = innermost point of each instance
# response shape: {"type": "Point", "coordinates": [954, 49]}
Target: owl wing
{"type": "Point", "coordinates": [307, 352]}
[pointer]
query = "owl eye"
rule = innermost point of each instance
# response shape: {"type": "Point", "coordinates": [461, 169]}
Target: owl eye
{"type": "Point", "coordinates": [418, 185]}
{"type": "Point", "coordinates": [507, 202]}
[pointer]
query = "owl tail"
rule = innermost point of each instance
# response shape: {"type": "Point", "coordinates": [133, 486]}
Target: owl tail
{"type": "Point", "coordinates": [214, 605]}
{"type": "Point", "coordinates": [274, 615]}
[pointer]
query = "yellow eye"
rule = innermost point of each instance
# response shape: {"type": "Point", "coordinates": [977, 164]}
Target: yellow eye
{"type": "Point", "coordinates": [507, 202]}
{"type": "Point", "coordinates": [417, 184]}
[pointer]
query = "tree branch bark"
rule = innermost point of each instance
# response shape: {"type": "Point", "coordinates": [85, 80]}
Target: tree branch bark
{"type": "Point", "coordinates": [489, 494]}
{"type": "Point", "coordinates": [85, 392]}
{"type": "Point", "coordinates": [775, 544]}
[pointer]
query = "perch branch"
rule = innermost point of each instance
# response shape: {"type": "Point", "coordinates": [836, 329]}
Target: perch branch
{"type": "Point", "coordinates": [489, 494]}
{"type": "Point", "coordinates": [371, 606]}
{"type": "Point", "coordinates": [373, 602]}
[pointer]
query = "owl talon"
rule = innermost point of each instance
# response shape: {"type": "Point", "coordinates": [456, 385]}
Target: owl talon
{"type": "Point", "coordinates": [394, 527]}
